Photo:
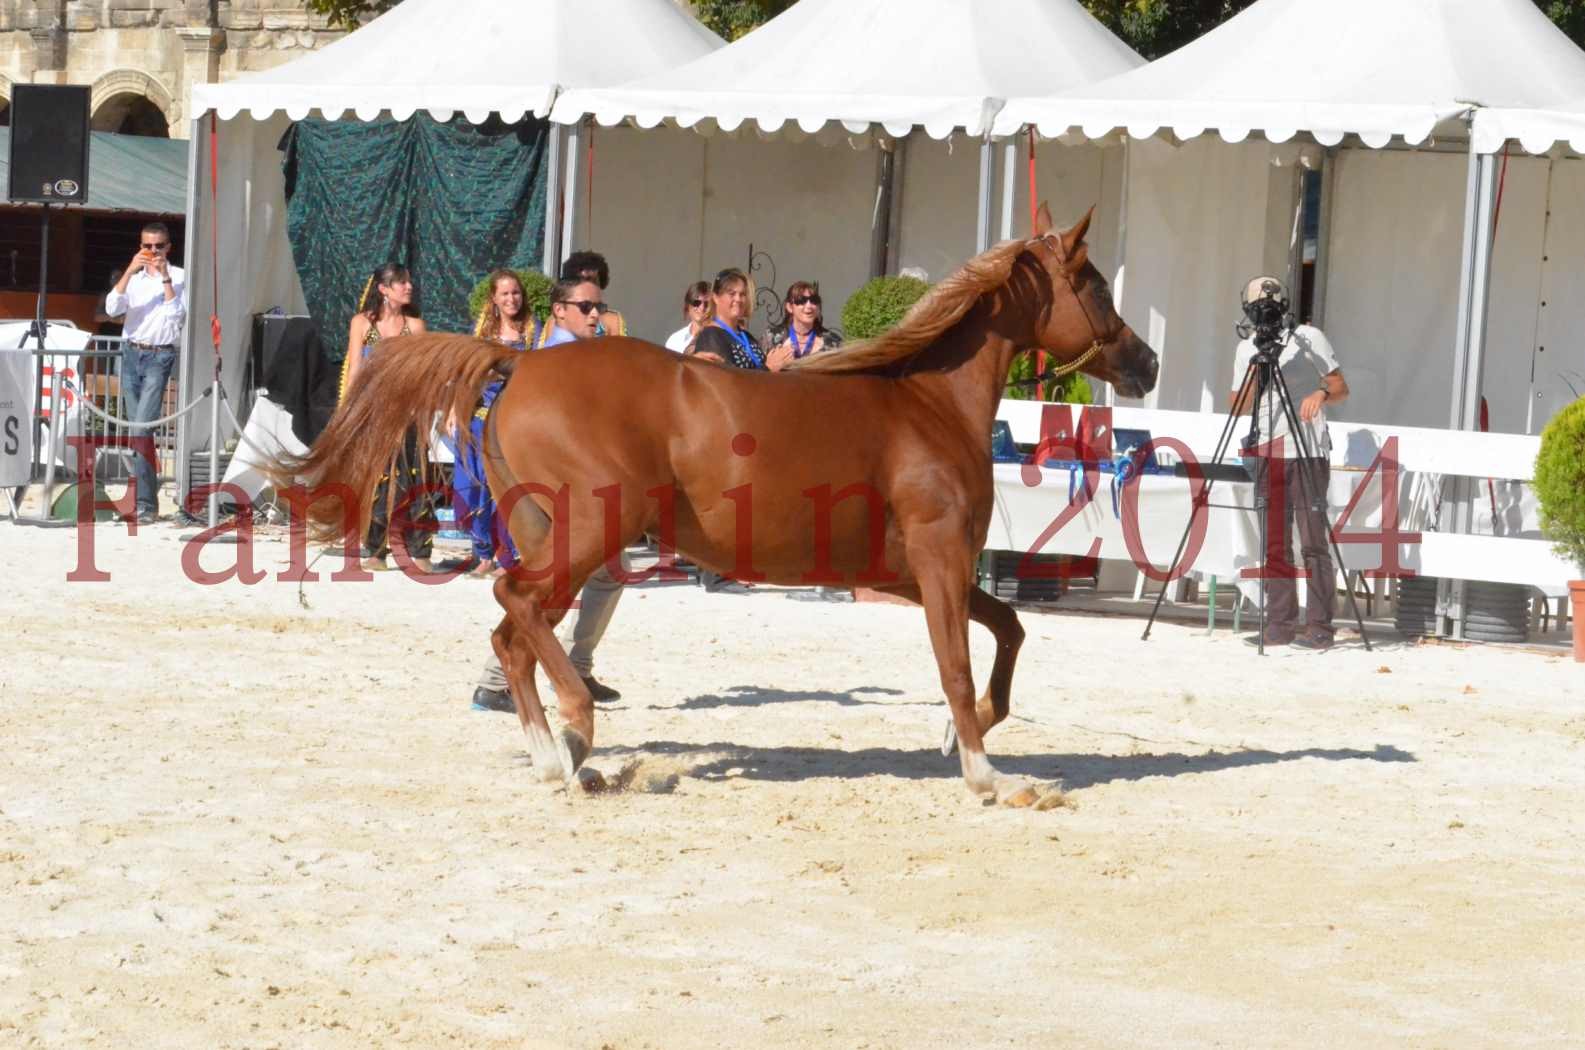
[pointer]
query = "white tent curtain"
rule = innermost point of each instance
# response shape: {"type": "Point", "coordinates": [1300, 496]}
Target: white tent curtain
{"type": "Point", "coordinates": [1203, 218]}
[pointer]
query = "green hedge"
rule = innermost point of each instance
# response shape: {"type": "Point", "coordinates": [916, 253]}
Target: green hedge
{"type": "Point", "coordinates": [536, 286]}
{"type": "Point", "coordinates": [878, 306]}
{"type": "Point", "coordinates": [1560, 483]}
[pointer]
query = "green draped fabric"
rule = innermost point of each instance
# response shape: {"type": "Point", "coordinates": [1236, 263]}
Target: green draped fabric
{"type": "Point", "coordinates": [450, 200]}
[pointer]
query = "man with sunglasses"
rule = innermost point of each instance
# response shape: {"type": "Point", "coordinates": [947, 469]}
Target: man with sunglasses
{"type": "Point", "coordinates": [151, 295]}
{"type": "Point", "coordinates": [576, 306]}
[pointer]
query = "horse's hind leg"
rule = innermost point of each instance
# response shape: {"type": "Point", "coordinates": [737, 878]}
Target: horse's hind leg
{"type": "Point", "coordinates": [517, 664]}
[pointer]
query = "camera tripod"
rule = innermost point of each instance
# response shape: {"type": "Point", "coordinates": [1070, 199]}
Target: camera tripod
{"type": "Point", "coordinates": [1263, 377]}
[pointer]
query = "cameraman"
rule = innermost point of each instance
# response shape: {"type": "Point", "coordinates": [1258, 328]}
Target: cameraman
{"type": "Point", "coordinates": [1314, 380]}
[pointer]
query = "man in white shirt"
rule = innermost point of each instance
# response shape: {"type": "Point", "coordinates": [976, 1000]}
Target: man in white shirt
{"type": "Point", "coordinates": [1314, 380]}
{"type": "Point", "coordinates": [152, 295]}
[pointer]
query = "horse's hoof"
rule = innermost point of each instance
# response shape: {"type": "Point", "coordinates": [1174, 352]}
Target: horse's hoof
{"type": "Point", "coordinates": [573, 749]}
{"type": "Point", "coordinates": [591, 781]}
{"type": "Point", "coordinates": [949, 740]}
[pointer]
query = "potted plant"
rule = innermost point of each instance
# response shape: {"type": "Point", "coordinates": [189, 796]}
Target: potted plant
{"type": "Point", "coordinates": [879, 306]}
{"type": "Point", "coordinates": [1560, 490]}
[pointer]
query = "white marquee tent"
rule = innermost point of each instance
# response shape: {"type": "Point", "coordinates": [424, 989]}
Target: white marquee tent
{"type": "Point", "coordinates": [476, 57]}
{"type": "Point", "coordinates": [910, 75]}
{"type": "Point", "coordinates": [1401, 269]}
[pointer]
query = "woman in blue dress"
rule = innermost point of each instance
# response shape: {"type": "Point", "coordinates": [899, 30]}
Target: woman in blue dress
{"type": "Point", "coordinates": [505, 319]}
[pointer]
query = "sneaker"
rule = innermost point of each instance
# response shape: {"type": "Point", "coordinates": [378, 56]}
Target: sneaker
{"type": "Point", "coordinates": [1275, 636]}
{"type": "Point", "coordinates": [723, 585]}
{"type": "Point", "coordinates": [1315, 639]}
{"type": "Point", "coordinates": [148, 516]}
{"type": "Point", "coordinates": [599, 690]}
{"type": "Point", "coordinates": [493, 700]}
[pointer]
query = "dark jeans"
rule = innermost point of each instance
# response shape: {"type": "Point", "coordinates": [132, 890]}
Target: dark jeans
{"type": "Point", "coordinates": [144, 375]}
{"type": "Point", "coordinates": [1303, 498]}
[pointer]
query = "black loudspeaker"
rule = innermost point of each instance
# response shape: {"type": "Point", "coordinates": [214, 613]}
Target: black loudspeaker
{"type": "Point", "coordinates": [49, 144]}
{"type": "Point", "coordinates": [268, 332]}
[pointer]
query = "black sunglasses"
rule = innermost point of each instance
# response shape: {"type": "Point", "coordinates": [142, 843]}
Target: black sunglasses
{"type": "Point", "coordinates": [805, 300]}
{"type": "Point", "coordinates": [696, 303]}
{"type": "Point", "coordinates": [584, 305]}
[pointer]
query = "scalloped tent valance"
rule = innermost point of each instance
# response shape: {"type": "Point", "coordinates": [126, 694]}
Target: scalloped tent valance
{"type": "Point", "coordinates": [943, 65]}
{"type": "Point", "coordinates": [475, 57]}
{"type": "Point", "coordinates": [1327, 68]}
{"type": "Point", "coordinates": [1536, 131]}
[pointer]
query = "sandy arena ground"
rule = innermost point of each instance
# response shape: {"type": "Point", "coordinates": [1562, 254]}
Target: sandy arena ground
{"type": "Point", "coordinates": [229, 821]}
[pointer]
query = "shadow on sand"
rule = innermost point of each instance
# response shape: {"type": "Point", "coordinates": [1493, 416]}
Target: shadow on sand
{"type": "Point", "coordinates": [754, 696]}
{"type": "Point", "coordinates": [722, 761]}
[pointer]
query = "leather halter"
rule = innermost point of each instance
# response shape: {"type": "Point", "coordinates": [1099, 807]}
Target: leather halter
{"type": "Point", "coordinates": [1096, 343]}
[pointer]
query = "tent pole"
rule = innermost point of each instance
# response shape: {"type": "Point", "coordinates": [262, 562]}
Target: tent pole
{"type": "Point", "coordinates": [894, 222]}
{"type": "Point", "coordinates": [1120, 281]}
{"type": "Point", "coordinates": [197, 268]}
{"type": "Point", "coordinates": [572, 203]}
{"type": "Point", "coordinates": [881, 210]}
{"type": "Point", "coordinates": [1009, 185]}
{"type": "Point", "coordinates": [1323, 236]}
{"type": "Point", "coordinates": [982, 230]}
{"type": "Point", "coordinates": [1469, 351]}
{"type": "Point", "coordinates": [551, 250]}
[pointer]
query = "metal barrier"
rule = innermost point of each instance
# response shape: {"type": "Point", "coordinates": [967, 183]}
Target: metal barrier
{"type": "Point", "coordinates": [93, 373]}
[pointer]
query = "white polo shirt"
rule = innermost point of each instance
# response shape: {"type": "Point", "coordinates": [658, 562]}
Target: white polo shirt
{"type": "Point", "coordinates": [1306, 359]}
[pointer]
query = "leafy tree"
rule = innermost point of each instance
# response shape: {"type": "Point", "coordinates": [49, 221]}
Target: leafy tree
{"type": "Point", "coordinates": [1151, 27]}
{"type": "Point", "coordinates": [1158, 27]}
{"type": "Point", "coordinates": [730, 19]}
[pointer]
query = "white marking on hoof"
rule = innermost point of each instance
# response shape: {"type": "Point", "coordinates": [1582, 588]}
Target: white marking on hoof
{"type": "Point", "coordinates": [949, 739]}
{"type": "Point", "coordinates": [542, 751]}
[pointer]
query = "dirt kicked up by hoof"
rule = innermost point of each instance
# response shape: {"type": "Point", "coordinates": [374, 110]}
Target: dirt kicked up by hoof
{"type": "Point", "coordinates": [1037, 797]}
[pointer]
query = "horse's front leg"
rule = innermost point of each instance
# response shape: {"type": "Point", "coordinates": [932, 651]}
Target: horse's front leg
{"type": "Point", "coordinates": [993, 706]}
{"type": "Point", "coordinates": [945, 585]}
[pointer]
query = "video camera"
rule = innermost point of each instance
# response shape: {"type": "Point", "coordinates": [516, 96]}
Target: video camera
{"type": "Point", "coordinates": [1266, 314]}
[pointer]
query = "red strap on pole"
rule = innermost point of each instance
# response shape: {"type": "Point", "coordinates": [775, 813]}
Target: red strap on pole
{"type": "Point", "coordinates": [214, 234]}
{"type": "Point", "coordinates": [1502, 184]}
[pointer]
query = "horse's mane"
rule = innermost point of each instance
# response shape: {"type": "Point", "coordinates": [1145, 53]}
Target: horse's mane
{"type": "Point", "coordinates": [941, 308]}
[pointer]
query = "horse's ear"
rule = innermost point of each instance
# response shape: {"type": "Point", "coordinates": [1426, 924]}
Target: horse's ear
{"type": "Point", "coordinates": [1075, 237]}
{"type": "Point", "coordinates": [1043, 220]}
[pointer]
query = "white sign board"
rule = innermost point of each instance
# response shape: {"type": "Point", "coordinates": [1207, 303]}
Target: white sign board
{"type": "Point", "coordinates": [16, 417]}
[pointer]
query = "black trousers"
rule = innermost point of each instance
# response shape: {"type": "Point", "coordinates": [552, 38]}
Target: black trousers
{"type": "Point", "coordinates": [390, 495]}
{"type": "Point", "coordinates": [1302, 495]}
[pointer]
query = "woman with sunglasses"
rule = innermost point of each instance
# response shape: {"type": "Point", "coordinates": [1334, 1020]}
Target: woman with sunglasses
{"type": "Point", "coordinates": [726, 338]}
{"type": "Point", "coordinates": [696, 309]}
{"type": "Point", "coordinates": [804, 332]}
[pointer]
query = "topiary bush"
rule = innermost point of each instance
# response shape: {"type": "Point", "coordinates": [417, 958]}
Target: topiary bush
{"type": "Point", "coordinates": [1560, 483]}
{"type": "Point", "coordinates": [536, 287]}
{"type": "Point", "coordinates": [1073, 387]}
{"type": "Point", "coordinates": [877, 307]}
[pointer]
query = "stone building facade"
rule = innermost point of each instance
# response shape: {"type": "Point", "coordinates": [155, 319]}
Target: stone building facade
{"type": "Point", "coordinates": [142, 56]}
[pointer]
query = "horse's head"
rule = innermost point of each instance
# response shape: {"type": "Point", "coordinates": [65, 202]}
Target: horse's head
{"type": "Point", "coordinates": [1081, 322]}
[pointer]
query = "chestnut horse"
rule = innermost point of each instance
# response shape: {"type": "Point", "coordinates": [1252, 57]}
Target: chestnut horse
{"type": "Point", "coordinates": [866, 466]}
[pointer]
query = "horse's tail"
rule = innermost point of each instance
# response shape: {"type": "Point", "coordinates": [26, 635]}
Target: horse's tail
{"type": "Point", "coordinates": [406, 383]}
